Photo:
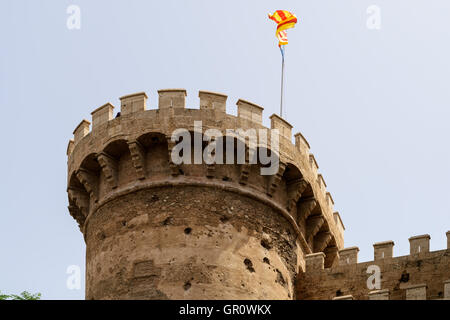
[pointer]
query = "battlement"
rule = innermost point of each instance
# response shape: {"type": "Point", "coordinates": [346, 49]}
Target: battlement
{"type": "Point", "coordinates": [297, 190]}
{"type": "Point", "coordinates": [176, 99]}
{"type": "Point", "coordinates": [415, 276]}
{"type": "Point", "coordinates": [419, 245]}
{"type": "Point", "coordinates": [102, 115]}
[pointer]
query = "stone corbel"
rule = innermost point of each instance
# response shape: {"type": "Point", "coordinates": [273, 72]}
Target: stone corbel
{"type": "Point", "coordinates": [275, 180]}
{"type": "Point", "coordinates": [313, 224]}
{"type": "Point", "coordinates": [76, 213]}
{"type": "Point", "coordinates": [174, 168]}
{"type": "Point", "coordinates": [89, 180]}
{"type": "Point", "coordinates": [211, 168]}
{"type": "Point", "coordinates": [245, 171]}
{"type": "Point", "coordinates": [294, 191]}
{"type": "Point", "coordinates": [109, 168]}
{"type": "Point", "coordinates": [245, 168]}
{"type": "Point", "coordinates": [331, 256]}
{"type": "Point", "coordinates": [137, 152]}
{"type": "Point", "coordinates": [305, 208]}
{"type": "Point", "coordinates": [80, 199]}
{"type": "Point", "coordinates": [321, 241]}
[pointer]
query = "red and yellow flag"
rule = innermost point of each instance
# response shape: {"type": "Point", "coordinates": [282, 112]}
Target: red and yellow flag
{"type": "Point", "coordinates": [284, 20]}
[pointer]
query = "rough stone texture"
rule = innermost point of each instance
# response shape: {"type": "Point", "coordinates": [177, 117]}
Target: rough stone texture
{"type": "Point", "coordinates": [157, 230]}
{"type": "Point", "coordinates": [315, 261]}
{"type": "Point", "coordinates": [151, 244]}
{"type": "Point", "coordinates": [397, 274]}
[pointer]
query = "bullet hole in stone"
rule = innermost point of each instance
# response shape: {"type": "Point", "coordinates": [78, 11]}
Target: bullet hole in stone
{"type": "Point", "coordinates": [187, 230]}
{"type": "Point", "coordinates": [404, 277]}
{"type": "Point", "coordinates": [419, 263]}
{"type": "Point", "coordinates": [440, 294]}
{"type": "Point", "coordinates": [187, 285]}
{"type": "Point", "coordinates": [248, 263]}
{"type": "Point", "coordinates": [280, 278]}
{"type": "Point", "coordinates": [266, 260]}
{"type": "Point", "coordinates": [338, 293]}
{"type": "Point", "coordinates": [265, 243]}
{"type": "Point", "coordinates": [225, 178]}
{"type": "Point", "coordinates": [224, 219]}
{"type": "Point", "coordinates": [124, 223]}
{"type": "Point", "coordinates": [180, 171]}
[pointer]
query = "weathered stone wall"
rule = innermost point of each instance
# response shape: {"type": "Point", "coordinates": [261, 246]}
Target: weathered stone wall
{"type": "Point", "coordinates": [421, 275]}
{"type": "Point", "coordinates": [187, 242]}
{"type": "Point", "coordinates": [155, 229]}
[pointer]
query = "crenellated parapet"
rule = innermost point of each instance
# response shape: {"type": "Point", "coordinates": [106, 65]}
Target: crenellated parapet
{"type": "Point", "coordinates": [420, 275]}
{"type": "Point", "coordinates": [100, 161]}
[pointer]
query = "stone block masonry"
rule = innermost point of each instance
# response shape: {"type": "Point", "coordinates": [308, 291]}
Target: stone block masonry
{"type": "Point", "coordinates": [418, 276]}
{"type": "Point", "coordinates": [155, 229]}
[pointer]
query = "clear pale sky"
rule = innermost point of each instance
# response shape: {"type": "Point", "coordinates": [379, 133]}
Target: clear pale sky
{"type": "Point", "coordinates": [373, 104]}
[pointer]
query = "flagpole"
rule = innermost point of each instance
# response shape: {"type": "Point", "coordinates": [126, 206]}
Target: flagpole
{"type": "Point", "coordinates": [282, 81]}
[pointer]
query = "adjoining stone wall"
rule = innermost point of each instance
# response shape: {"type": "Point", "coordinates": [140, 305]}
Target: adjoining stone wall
{"type": "Point", "coordinates": [421, 275]}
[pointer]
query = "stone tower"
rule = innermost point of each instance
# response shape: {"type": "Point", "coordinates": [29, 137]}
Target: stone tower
{"type": "Point", "coordinates": [155, 229]}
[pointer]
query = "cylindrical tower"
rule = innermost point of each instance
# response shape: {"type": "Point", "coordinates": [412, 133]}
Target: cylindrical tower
{"type": "Point", "coordinates": [158, 229]}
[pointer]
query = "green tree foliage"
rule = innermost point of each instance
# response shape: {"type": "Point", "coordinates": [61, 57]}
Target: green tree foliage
{"type": "Point", "coordinates": [23, 296]}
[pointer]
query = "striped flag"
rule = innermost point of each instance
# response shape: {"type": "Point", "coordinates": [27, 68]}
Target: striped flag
{"type": "Point", "coordinates": [284, 20]}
